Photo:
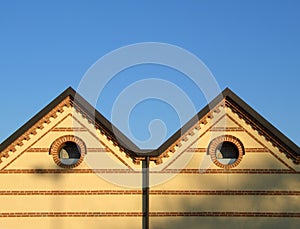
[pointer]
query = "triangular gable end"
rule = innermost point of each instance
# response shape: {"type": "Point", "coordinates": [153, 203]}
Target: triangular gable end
{"type": "Point", "coordinates": [203, 121]}
{"type": "Point", "coordinates": [65, 117]}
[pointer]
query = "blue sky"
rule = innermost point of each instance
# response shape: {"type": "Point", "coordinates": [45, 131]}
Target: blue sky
{"type": "Point", "coordinates": [252, 47]}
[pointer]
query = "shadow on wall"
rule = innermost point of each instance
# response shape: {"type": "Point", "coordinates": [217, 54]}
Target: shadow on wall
{"type": "Point", "coordinates": [55, 179]}
{"type": "Point", "coordinates": [223, 222]}
{"type": "Point", "coordinates": [231, 203]}
{"type": "Point", "coordinates": [211, 203]}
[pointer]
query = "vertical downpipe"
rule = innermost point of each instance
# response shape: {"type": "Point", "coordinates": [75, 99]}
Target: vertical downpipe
{"type": "Point", "coordinates": [145, 181]}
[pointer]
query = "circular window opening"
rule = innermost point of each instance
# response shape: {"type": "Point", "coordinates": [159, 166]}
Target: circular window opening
{"type": "Point", "coordinates": [69, 153]}
{"type": "Point", "coordinates": [227, 153]}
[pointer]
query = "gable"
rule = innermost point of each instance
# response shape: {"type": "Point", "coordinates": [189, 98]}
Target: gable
{"type": "Point", "coordinates": [259, 154]}
{"type": "Point", "coordinates": [31, 150]}
{"type": "Point", "coordinates": [261, 150]}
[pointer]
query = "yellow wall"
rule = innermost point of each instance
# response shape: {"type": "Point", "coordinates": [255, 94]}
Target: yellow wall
{"type": "Point", "coordinates": [189, 170]}
{"type": "Point", "coordinates": [32, 169]}
{"type": "Point", "coordinates": [184, 183]}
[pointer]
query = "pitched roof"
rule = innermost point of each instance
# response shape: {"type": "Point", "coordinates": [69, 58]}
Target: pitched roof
{"type": "Point", "coordinates": [257, 122]}
{"type": "Point", "coordinates": [100, 120]}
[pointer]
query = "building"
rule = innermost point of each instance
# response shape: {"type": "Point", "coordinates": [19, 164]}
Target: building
{"type": "Point", "coordinates": [68, 167]}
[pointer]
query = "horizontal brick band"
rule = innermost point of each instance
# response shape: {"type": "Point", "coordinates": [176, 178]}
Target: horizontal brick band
{"type": "Point", "coordinates": [175, 171]}
{"type": "Point", "coordinates": [152, 192]}
{"type": "Point", "coordinates": [256, 150]}
{"type": "Point", "coordinates": [190, 150]}
{"type": "Point", "coordinates": [224, 192]}
{"type": "Point", "coordinates": [196, 150]}
{"type": "Point", "coordinates": [228, 129]}
{"type": "Point", "coordinates": [97, 150]}
{"type": "Point", "coordinates": [226, 214]}
{"type": "Point", "coordinates": [152, 214]}
{"type": "Point", "coordinates": [43, 150]}
{"type": "Point", "coordinates": [237, 171]}
{"type": "Point", "coordinates": [70, 214]}
{"type": "Point", "coordinates": [38, 150]}
{"type": "Point", "coordinates": [54, 171]}
{"type": "Point", "coordinates": [247, 150]}
{"type": "Point", "coordinates": [64, 129]}
{"type": "Point", "coordinates": [71, 192]}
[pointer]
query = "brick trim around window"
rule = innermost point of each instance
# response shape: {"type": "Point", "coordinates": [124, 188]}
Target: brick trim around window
{"type": "Point", "coordinates": [225, 138]}
{"type": "Point", "coordinates": [58, 143]}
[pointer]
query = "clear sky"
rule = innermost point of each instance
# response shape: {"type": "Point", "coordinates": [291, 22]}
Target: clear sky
{"type": "Point", "coordinates": [252, 47]}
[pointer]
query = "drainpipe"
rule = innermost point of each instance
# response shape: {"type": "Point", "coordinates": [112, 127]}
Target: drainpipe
{"type": "Point", "coordinates": [145, 200]}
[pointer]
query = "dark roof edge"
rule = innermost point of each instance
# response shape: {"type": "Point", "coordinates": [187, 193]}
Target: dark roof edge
{"type": "Point", "coordinates": [266, 125]}
{"type": "Point", "coordinates": [106, 124]}
{"type": "Point", "coordinates": [227, 93]}
{"type": "Point", "coordinates": [100, 119]}
{"type": "Point", "coordinates": [128, 145]}
{"type": "Point", "coordinates": [35, 119]}
{"type": "Point", "coordinates": [204, 111]}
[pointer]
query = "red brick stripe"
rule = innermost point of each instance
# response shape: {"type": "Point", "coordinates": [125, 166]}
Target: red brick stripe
{"type": "Point", "coordinates": [152, 192]}
{"type": "Point", "coordinates": [71, 192]}
{"type": "Point", "coordinates": [247, 150]}
{"type": "Point", "coordinates": [152, 214]}
{"type": "Point", "coordinates": [54, 171]}
{"type": "Point", "coordinates": [256, 139]}
{"type": "Point", "coordinates": [175, 171]}
{"type": "Point", "coordinates": [190, 150]}
{"type": "Point", "coordinates": [256, 150]}
{"type": "Point", "coordinates": [223, 192]}
{"type": "Point", "coordinates": [226, 214]}
{"type": "Point", "coordinates": [42, 150]}
{"type": "Point", "coordinates": [232, 171]}
{"type": "Point", "coordinates": [64, 129]}
{"type": "Point", "coordinates": [70, 214]}
{"type": "Point", "coordinates": [193, 142]}
{"type": "Point", "coordinates": [196, 150]}
{"type": "Point", "coordinates": [38, 150]}
{"type": "Point", "coordinates": [228, 129]}
{"type": "Point", "coordinates": [97, 150]}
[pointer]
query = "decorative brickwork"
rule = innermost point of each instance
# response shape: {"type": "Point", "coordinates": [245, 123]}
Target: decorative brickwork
{"type": "Point", "coordinates": [261, 130]}
{"type": "Point", "coordinates": [190, 132]}
{"type": "Point", "coordinates": [193, 142]}
{"type": "Point", "coordinates": [262, 144]}
{"type": "Point", "coordinates": [226, 102]}
{"type": "Point", "coordinates": [247, 150]}
{"type": "Point", "coordinates": [58, 143]}
{"type": "Point", "coordinates": [43, 150]}
{"type": "Point", "coordinates": [228, 129]}
{"type": "Point", "coordinates": [219, 140]}
{"type": "Point", "coordinates": [38, 125]}
{"type": "Point", "coordinates": [69, 129]}
{"type": "Point", "coordinates": [67, 102]}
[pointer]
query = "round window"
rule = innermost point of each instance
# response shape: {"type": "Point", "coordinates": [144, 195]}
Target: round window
{"type": "Point", "coordinates": [226, 151]}
{"type": "Point", "coordinates": [68, 151]}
